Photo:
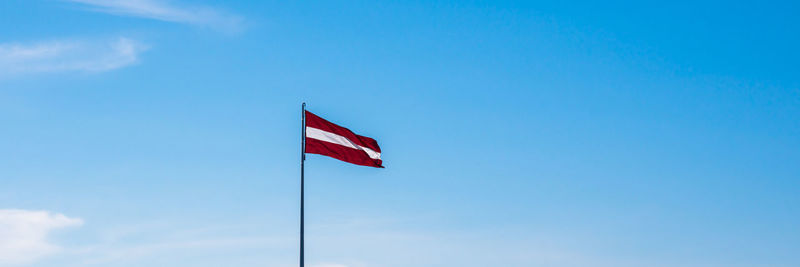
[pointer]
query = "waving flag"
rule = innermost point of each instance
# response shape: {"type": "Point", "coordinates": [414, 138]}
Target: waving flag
{"type": "Point", "coordinates": [326, 138]}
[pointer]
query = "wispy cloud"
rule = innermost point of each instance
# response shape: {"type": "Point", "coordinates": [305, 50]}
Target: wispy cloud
{"type": "Point", "coordinates": [23, 234]}
{"type": "Point", "coordinates": [329, 265]}
{"type": "Point", "coordinates": [139, 242]}
{"type": "Point", "coordinates": [107, 255]}
{"type": "Point", "coordinates": [168, 11]}
{"type": "Point", "coordinates": [68, 55]}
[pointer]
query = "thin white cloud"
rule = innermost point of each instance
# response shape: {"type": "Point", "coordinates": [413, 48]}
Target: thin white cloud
{"type": "Point", "coordinates": [68, 55]}
{"type": "Point", "coordinates": [168, 11]}
{"type": "Point", "coordinates": [329, 265]}
{"type": "Point", "coordinates": [105, 256]}
{"type": "Point", "coordinates": [137, 242]}
{"type": "Point", "coordinates": [23, 234]}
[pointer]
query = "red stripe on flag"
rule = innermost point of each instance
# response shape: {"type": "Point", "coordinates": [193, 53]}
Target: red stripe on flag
{"type": "Point", "coordinates": [315, 121]}
{"type": "Point", "coordinates": [341, 152]}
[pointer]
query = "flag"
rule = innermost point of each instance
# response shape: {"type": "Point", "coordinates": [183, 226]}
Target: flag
{"type": "Point", "coordinates": [328, 139]}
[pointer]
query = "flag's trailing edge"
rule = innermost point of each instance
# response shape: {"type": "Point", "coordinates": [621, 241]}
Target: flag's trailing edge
{"type": "Point", "coordinates": [326, 138]}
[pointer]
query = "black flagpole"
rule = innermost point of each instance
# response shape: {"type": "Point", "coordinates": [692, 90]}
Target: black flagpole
{"type": "Point", "coordinates": [302, 187]}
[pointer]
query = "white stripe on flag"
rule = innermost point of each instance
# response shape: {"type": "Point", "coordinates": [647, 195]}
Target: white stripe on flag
{"type": "Point", "coordinates": [329, 137]}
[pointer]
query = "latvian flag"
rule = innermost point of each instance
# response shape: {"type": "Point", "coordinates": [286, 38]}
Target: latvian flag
{"type": "Point", "coordinates": [326, 138]}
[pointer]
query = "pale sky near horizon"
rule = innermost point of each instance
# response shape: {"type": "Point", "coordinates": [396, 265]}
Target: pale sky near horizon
{"type": "Point", "coordinates": [514, 133]}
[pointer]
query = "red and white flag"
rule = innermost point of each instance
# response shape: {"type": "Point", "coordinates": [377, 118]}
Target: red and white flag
{"type": "Point", "coordinates": [326, 138]}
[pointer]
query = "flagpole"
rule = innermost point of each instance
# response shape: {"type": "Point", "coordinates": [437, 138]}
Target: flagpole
{"type": "Point", "coordinates": [302, 188]}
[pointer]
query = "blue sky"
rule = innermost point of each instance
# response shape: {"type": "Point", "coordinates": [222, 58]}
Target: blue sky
{"type": "Point", "coordinates": [515, 133]}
